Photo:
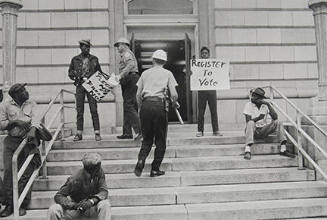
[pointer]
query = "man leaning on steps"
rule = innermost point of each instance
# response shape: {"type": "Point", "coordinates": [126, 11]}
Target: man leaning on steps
{"type": "Point", "coordinates": [256, 113]}
{"type": "Point", "coordinates": [84, 195]}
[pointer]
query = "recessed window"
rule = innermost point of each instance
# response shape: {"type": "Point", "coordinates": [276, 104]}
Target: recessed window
{"type": "Point", "coordinates": [143, 7]}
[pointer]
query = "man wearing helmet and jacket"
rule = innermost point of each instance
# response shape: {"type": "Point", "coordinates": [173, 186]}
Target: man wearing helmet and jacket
{"type": "Point", "coordinates": [153, 86]}
{"type": "Point", "coordinates": [128, 76]}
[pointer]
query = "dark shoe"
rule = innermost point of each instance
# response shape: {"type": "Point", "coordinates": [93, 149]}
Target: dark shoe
{"type": "Point", "coordinates": [78, 137]}
{"type": "Point", "coordinates": [216, 133]}
{"type": "Point", "coordinates": [125, 136]}
{"type": "Point", "coordinates": [199, 134]}
{"type": "Point", "coordinates": [138, 137]}
{"type": "Point", "coordinates": [154, 173]}
{"type": "Point", "coordinates": [287, 154]}
{"type": "Point", "coordinates": [7, 211]}
{"type": "Point", "coordinates": [139, 168]}
{"type": "Point", "coordinates": [97, 137]}
{"type": "Point", "coordinates": [247, 155]}
{"type": "Point", "coordinates": [22, 211]}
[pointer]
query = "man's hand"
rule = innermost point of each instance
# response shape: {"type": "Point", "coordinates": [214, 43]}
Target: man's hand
{"type": "Point", "coordinates": [175, 104]}
{"type": "Point", "coordinates": [70, 205]}
{"type": "Point", "coordinates": [18, 123]}
{"type": "Point", "coordinates": [84, 205]}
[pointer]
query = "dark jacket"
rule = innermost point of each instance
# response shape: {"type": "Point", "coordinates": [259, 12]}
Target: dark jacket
{"type": "Point", "coordinates": [75, 69]}
{"type": "Point", "coordinates": [82, 186]}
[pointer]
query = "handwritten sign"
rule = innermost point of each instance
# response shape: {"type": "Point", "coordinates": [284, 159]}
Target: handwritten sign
{"type": "Point", "coordinates": [98, 86]}
{"type": "Point", "coordinates": [209, 74]}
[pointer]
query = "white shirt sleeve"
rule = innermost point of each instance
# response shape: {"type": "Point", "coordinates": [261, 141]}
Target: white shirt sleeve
{"type": "Point", "coordinates": [264, 110]}
{"type": "Point", "coordinates": [247, 109]}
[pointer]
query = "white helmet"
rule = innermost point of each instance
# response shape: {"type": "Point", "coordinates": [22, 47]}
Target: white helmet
{"type": "Point", "coordinates": [121, 40]}
{"type": "Point", "coordinates": [160, 55]}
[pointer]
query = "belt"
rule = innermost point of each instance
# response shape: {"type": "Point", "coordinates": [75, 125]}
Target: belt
{"type": "Point", "coordinates": [153, 99]}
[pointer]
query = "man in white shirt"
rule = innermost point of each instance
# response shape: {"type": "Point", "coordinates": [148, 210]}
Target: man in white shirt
{"type": "Point", "coordinates": [257, 124]}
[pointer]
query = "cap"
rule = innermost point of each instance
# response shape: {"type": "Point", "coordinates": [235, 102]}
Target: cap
{"type": "Point", "coordinates": [160, 55]}
{"type": "Point", "coordinates": [16, 88]}
{"type": "Point", "coordinates": [86, 42]}
{"type": "Point", "coordinates": [91, 159]}
{"type": "Point", "coordinates": [121, 40]}
{"type": "Point", "coordinates": [204, 48]}
{"type": "Point", "coordinates": [259, 91]}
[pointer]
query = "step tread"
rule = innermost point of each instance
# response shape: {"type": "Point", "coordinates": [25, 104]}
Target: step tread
{"type": "Point", "coordinates": [199, 189]}
{"type": "Point", "coordinates": [172, 160]}
{"type": "Point", "coordinates": [193, 208]}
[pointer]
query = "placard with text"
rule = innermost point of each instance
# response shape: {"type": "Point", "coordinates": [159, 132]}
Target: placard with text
{"type": "Point", "coordinates": [98, 85]}
{"type": "Point", "coordinates": [209, 74]}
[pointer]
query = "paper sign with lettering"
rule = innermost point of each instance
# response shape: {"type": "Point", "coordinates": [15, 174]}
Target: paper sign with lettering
{"type": "Point", "coordinates": [99, 86]}
{"type": "Point", "coordinates": [209, 74]}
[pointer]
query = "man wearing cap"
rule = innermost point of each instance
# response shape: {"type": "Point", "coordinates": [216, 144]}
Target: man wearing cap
{"type": "Point", "coordinates": [85, 193]}
{"type": "Point", "coordinates": [82, 67]}
{"type": "Point", "coordinates": [153, 88]}
{"type": "Point", "coordinates": [209, 96]}
{"type": "Point", "coordinates": [257, 126]}
{"type": "Point", "coordinates": [17, 115]}
{"type": "Point", "coordinates": [128, 76]}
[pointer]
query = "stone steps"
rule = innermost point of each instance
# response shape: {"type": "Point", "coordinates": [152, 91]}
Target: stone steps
{"type": "Point", "coordinates": [191, 178]}
{"type": "Point", "coordinates": [171, 152]}
{"type": "Point", "coordinates": [269, 209]}
{"type": "Point", "coordinates": [180, 164]}
{"type": "Point", "coordinates": [201, 194]}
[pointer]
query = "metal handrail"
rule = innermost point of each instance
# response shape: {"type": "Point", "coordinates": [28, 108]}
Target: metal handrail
{"type": "Point", "coordinates": [300, 132]}
{"type": "Point", "coordinates": [17, 174]}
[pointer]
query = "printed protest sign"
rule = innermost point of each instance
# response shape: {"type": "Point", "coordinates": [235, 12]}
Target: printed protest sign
{"type": "Point", "coordinates": [209, 74]}
{"type": "Point", "coordinates": [99, 86]}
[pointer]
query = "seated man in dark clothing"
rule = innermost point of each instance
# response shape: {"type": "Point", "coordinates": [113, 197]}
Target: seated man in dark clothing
{"type": "Point", "coordinates": [85, 193]}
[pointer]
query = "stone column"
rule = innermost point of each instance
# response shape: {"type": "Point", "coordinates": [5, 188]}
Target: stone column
{"type": "Point", "coordinates": [9, 38]}
{"type": "Point", "coordinates": [318, 110]}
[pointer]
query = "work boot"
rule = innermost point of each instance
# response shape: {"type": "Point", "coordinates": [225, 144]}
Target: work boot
{"type": "Point", "coordinates": [78, 137]}
{"type": "Point", "coordinates": [139, 167]}
{"type": "Point", "coordinates": [247, 155]}
{"type": "Point", "coordinates": [287, 154]}
{"type": "Point", "coordinates": [22, 211]}
{"type": "Point", "coordinates": [97, 137]}
{"type": "Point", "coordinates": [125, 136]}
{"type": "Point", "coordinates": [155, 173]}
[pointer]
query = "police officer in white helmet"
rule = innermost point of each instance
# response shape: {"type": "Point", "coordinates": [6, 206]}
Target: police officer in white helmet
{"type": "Point", "coordinates": [153, 86]}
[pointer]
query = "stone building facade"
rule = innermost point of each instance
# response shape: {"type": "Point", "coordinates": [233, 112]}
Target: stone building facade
{"type": "Point", "coordinates": [268, 42]}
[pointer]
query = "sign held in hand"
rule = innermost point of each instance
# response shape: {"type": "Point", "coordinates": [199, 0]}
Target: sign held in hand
{"type": "Point", "coordinates": [209, 74]}
{"type": "Point", "coordinates": [99, 85]}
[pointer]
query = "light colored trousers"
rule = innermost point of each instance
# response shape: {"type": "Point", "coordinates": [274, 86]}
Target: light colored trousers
{"type": "Point", "coordinates": [101, 210]}
{"type": "Point", "coordinates": [252, 132]}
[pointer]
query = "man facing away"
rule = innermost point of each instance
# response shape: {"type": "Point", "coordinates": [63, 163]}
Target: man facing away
{"type": "Point", "coordinates": [257, 126]}
{"type": "Point", "coordinates": [17, 116]}
{"type": "Point", "coordinates": [209, 96]}
{"type": "Point", "coordinates": [153, 86]}
{"type": "Point", "coordinates": [82, 67]}
{"type": "Point", "coordinates": [85, 193]}
{"type": "Point", "coordinates": [128, 76]}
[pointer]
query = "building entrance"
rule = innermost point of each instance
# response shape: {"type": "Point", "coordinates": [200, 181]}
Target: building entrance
{"type": "Point", "coordinates": [178, 52]}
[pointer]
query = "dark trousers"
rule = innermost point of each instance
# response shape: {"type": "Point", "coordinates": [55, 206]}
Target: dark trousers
{"type": "Point", "coordinates": [80, 97]}
{"type": "Point", "coordinates": [131, 117]}
{"type": "Point", "coordinates": [10, 146]}
{"type": "Point", "coordinates": [209, 96]}
{"type": "Point", "coordinates": [154, 123]}
{"type": "Point", "coordinates": [2, 191]}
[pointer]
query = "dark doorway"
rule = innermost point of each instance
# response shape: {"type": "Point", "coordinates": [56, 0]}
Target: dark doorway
{"type": "Point", "coordinates": [176, 51]}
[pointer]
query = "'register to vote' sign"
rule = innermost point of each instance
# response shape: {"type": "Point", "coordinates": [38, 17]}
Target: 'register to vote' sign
{"type": "Point", "coordinates": [209, 74]}
{"type": "Point", "coordinates": [99, 85]}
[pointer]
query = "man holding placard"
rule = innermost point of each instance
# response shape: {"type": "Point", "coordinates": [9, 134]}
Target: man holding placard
{"type": "Point", "coordinates": [82, 67]}
{"type": "Point", "coordinates": [206, 80]}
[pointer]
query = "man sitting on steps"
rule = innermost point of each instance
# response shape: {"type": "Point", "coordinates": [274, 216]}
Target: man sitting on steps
{"type": "Point", "coordinates": [85, 193]}
{"type": "Point", "coordinates": [256, 112]}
